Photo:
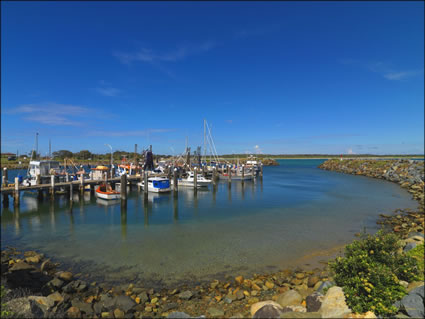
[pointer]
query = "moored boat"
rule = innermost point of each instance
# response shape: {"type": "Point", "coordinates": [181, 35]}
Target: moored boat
{"type": "Point", "coordinates": [189, 181]}
{"type": "Point", "coordinates": [105, 191]}
{"type": "Point", "coordinates": [157, 184]}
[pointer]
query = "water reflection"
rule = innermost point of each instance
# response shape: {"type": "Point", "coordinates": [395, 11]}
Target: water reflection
{"type": "Point", "coordinates": [175, 207]}
{"type": "Point", "coordinates": [124, 223]}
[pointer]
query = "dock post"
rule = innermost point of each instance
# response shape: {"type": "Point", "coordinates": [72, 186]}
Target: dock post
{"type": "Point", "coordinates": [52, 186]}
{"type": "Point", "coordinates": [145, 180]}
{"type": "Point", "coordinates": [175, 182]}
{"type": "Point", "coordinates": [261, 170]}
{"type": "Point", "coordinates": [195, 179]}
{"type": "Point", "coordinates": [16, 194]}
{"type": "Point", "coordinates": [5, 200]}
{"type": "Point", "coordinates": [66, 177]}
{"type": "Point", "coordinates": [214, 176]}
{"type": "Point", "coordinates": [91, 175]}
{"type": "Point", "coordinates": [229, 176]}
{"type": "Point", "coordinates": [38, 179]}
{"type": "Point", "coordinates": [243, 172]}
{"type": "Point", "coordinates": [123, 189]}
{"type": "Point", "coordinates": [82, 184]}
{"type": "Point", "coordinates": [5, 177]}
{"type": "Point", "coordinates": [71, 195]}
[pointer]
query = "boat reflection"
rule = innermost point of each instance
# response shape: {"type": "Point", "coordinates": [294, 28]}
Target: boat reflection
{"type": "Point", "coordinates": [107, 202]}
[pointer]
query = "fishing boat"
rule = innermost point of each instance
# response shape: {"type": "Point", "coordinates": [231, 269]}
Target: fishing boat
{"type": "Point", "coordinates": [105, 191]}
{"type": "Point", "coordinates": [44, 169]}
{"type": "Point", "coordinates": [237, 175]}
{"type": "Point", "coordinates": [201, 181]}
{"type": "Point", "coordinates": [156, 184]}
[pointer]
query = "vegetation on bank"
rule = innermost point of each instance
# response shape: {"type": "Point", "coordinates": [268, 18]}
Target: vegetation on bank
{"type": "Point", "coordinates": [418, 254]}
{"type": "Point", "coordinates": [371, 270]}
{"type": "Point", "coordinates": [5, 312]}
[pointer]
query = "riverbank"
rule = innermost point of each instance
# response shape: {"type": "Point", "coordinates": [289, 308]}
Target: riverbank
{"type": "Point", "coordinates": [60, 292]}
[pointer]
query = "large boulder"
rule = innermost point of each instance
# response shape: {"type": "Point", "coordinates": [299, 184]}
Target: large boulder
{"type": "Point", "coordinates": [291, 297]}
{"type": "Point", "coordinates": [334, 305]}
{"type": "Point", "coordinates": [314, 301]}
{"type": "Point", "coordinates": [268, 311]}
{"type": "Point", "coordinates": [413, 303]}
{"type": "Point", "coordinates": [258, 305]}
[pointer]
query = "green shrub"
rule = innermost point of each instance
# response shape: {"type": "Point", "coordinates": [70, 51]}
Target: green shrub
{"type": "Point", "coordinates": [418, 254]}
{"type": "Point", "coordinates": [370, 272]}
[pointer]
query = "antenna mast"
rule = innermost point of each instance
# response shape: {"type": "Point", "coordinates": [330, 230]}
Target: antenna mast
{"type": "Point", "coordinates": [36, 145]}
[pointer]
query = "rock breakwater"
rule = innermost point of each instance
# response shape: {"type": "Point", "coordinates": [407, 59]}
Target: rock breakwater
{"type": "Point", "coordinates": [408, 173]}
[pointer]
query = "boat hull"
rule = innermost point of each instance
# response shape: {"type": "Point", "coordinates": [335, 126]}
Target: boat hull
{"type": "Point", "coordinates": [247, 177]}
{"type": "Point", "coordinates": [192, 184]}
{"type": "Point", "coordinates": [154, 189]}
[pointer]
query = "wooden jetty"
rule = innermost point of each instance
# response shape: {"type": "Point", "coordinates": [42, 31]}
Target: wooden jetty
{"type": "Point", "coordinates": [69, 187]}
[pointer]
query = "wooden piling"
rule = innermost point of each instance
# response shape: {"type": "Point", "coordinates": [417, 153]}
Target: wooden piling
{"type": "Point", "coordinates": [5, 200]}
{"type": "Point", "coordinates": [5, 177]}
{"type": "Point", "coordinates": [229, 176]}
{"type": "Point", "coordinates": [195, 179]}
{"type": "Point", "coordinates": [38, 179]}
{"type": "Point", "coordinates": [145, 180]}
{"type": "Point", "coordinates": [214, 176]}
{"type": "Point", "coordinates": [66, 177]}
{"type": "Point", "coordinates": [82, 184]}
{"type": "Point", "coordinates": [16, 193]}
{"type": "Point", "coordinates": [175, 182]}
{"type": "Point", "coordinates": [261, 169]}
{"type": "Point", "coordinates": [71, 190]}
{"type": "Point", "coordinates": [243, 172]}
{"type": "Point", "coordinates": [123, 188]}
{"type": "Point", "coordinates": [52, 186]}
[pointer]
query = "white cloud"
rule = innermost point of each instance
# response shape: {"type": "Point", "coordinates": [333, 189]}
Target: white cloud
{"type": "Point", "coordinates": [350, 151]}
{"type": "Point", "coordinates": [385, 69]}
{"type": "Point", "coordinates": [51, 113]}
{"type": "Point", "coordinates": [401, 75]}
{"type": "Point", "coordinates": [108, 91]}
{"type": "Point", "coordinates": [180, 53]}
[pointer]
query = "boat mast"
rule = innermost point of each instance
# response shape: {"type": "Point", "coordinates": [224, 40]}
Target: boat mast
{"type": "Point", "coordinates": [205, 147]}
{"type": "Point", "coordinates": [36, 145]}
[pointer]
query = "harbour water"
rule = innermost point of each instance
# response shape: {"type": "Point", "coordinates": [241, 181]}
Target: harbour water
{"type": "Point", "coordinates": [295, 210]}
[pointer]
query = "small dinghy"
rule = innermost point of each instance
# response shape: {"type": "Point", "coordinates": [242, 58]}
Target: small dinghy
{"type": "Point", "coordinates": [105, 191]}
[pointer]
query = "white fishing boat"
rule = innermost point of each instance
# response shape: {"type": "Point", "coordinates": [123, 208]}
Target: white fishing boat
{"type": "Point", "coordinates": [237, 175]}
{"type": "Point", "coordinates": [105, 191]}
{"type": "Point", "coordinates": [44, 169]}
{"type": "Point", "coordinates": [189, 181]}
{"type": "Point", "coordinates": [156, 184]}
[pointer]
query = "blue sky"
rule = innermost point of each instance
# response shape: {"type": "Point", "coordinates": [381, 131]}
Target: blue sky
{"type": "Point", "coordinates": [274, 77]}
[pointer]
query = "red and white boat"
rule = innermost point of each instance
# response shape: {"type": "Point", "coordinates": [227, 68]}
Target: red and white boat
{"type": "Point", "coordinates": [105, 191]}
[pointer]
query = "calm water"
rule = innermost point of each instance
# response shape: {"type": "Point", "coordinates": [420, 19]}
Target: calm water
{"type": "Point", "coordinates": [296, 210]}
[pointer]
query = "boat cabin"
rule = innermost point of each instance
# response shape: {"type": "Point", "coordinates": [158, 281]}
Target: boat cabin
{"type": "Point", "coordinates": [160, 182]}
{"type": "Point", "coordinates": [44, 168]}
{"type": "Point", "coordinates": [99, 172]}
